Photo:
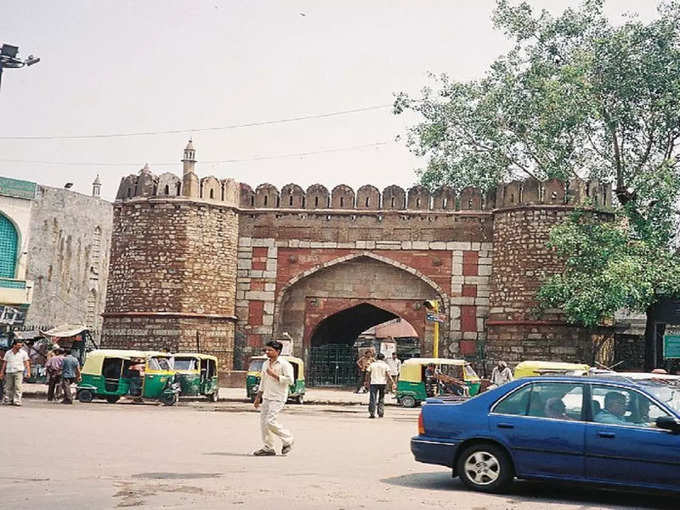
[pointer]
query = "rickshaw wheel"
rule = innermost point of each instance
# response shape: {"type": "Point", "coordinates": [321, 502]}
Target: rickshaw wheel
{"type": "Point", "coordinates": [215, 396]}
{"type": "Point", "coordinates": [112, 399]}
{"type": "Point", "coordinates": [408, 401]}
{"type": "Point", "coordinates": [300, 399]}
{"type": "Point", "coordinates": [169, 400]}
{"type": "Point", "coordinates": [85, 396]}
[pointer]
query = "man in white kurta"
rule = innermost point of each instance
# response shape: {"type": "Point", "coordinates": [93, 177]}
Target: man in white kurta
{"type": "Point", "coordinates": [277, 376]}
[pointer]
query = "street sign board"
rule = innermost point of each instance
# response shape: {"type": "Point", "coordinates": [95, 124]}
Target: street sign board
{"type": "Point", "coordinates": [671, 346]}
{"type": "Point", "coordinates": [16, 188]}
{"type": "Point", "coordinates": [435, 317]}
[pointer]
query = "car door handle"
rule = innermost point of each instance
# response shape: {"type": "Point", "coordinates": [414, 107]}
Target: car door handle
{"type": "Point", "coordinates": [505, 426]}
{"type": "Point", "coordinates": [607, 435]}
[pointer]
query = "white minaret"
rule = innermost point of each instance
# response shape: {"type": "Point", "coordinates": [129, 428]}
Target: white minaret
{"type": "Point", "coordinates": [189, 158]}
{"type": "Point", "coordinates": [96, 187]}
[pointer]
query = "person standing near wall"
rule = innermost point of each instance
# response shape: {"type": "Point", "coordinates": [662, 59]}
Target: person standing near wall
{"type": "Point", "coordinates": [277, 376]}
{"type": "Point", "coordinates": [53, 366]}
{"type": "Point", "coordinates": [501, 374]}
{"type": "Point", "coordinates": [70, 373]}
{"type": "Point", "coordinates": [363, 363]}
{"type": "Point", "coordinates": [16, 360]}
{"type": "Point", "coordinates": [395, 365]}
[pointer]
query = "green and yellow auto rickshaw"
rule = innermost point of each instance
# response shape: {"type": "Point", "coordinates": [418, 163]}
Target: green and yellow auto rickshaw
{"type": "Point", "coordinates": [197, 375]}
{"type": "Point", "coordinates": [110, 374]}
{"type": "Point", "coordinates": [296, 391]}
{"type": "Point", "coordinates": [414, 387]}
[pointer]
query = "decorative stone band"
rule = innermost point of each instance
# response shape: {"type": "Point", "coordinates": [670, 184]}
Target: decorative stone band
{"type": "Point", "coordinates": [491, 322]}
{"type": "Point", "coordinates": [179, 315]}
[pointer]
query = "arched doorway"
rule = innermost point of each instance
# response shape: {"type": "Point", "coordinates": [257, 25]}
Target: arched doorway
{"type": "Point", "coordinates": [332, 355]}
{"type": "Point", "coordinates": [331, 305]}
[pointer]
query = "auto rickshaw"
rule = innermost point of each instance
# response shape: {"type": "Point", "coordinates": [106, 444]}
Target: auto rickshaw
{"type": "Point", "coordinates": [412, 389]}
{"type": "Point", "coordinates": [296, 391]}
{"type": "Point", "coordinates": [110, 374]}
{"type": "Point", "coordinates": [197, 375]}
{"type": "Point", "coordinates": [536, 368]}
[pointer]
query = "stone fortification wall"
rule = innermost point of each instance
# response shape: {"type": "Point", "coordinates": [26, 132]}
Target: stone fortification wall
{"type": "Point", "coordinates": [68, 258]}
{"type": "Point", "coordinates": [521, 263]}
{"type": "Point", "coordinates": [173, 277]}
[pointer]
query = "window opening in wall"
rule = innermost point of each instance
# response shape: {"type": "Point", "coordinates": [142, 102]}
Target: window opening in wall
{"type": "Point", "coordinates": [417, 202]}
{"type": "Point", "coordinates": [212, 194]}
{"type": "Point", "coordinates": [8, 248]}
{"type": "Point", "coordinates": [167, 189]}
{"type": "Point", "coordinates": [470, 204]}
{"type": "Point", "coordinates": [303, 202]}
{"type": "Point", "coordinates": [129, 192]}
{"type": "Point", "coordinates": [367, 199]}
{"type": "Point", "coordinates": [278, 201]}
{"type": "Point", "coordinates": [554, 195]}
{"type": "Point", "coordinates": [290, 200]}
{"type": "Point", "coordinates": [316, 201]}
{"type": "Point", "coordinates": [266, 199]}
{"type": "Point", "coordinates": [252, 201]}
{"type": "Point", "coordinates": [179, 187]}
{"type": "Point", "coordinates": [342, 201]}
{"type": "Point", "coordinates": [445, 203]}
{"type": "Point", "coordinates": [512, 198]}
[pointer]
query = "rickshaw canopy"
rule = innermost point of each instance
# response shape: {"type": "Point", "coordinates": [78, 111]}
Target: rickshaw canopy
{"type": "Point", "coordinates": [411, 369]}
{"type": "Point", "coordinates": [95, 359]}
{"type": "Point", "coordinates": [534, 368]}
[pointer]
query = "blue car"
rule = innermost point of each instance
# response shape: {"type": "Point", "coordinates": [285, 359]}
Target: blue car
{"type": "Point", "coordinates": [607, 430]}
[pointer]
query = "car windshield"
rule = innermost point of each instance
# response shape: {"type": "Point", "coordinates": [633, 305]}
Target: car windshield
{"type": "Point", "coordinates": [665, 391]}
{"type": "Point", "coordinates": [185, 364]}
{"type": "Point", "coordinates": [255, 365]}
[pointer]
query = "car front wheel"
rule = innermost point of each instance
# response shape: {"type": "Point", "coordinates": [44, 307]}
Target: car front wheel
{"type": "Point", "coordinates": [485, 467]}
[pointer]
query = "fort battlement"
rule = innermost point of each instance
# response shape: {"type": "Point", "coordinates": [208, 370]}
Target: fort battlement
{"type": "Point", "coordinates": [210, 189]}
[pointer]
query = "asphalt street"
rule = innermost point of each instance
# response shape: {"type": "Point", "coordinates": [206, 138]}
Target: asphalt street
{"type": "Point", "coordinates": [197, 455]}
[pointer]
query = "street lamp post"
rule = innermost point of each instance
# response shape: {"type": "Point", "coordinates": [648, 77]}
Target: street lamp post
{"type": "Point", "coordinates": [433, 306]}
{"type": "Point", "coordinates": [9, 59]}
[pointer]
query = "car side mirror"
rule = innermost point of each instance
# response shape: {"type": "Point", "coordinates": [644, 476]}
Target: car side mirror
{"type": "Point", "coordinates": [668, 423]}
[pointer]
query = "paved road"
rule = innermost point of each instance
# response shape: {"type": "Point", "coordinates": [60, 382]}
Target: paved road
{"type": "Point", "coordinates": [197, 455]}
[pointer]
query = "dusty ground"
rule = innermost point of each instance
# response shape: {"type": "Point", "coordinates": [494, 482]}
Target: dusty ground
{"type": "Point", "coordinates": [197, 455]}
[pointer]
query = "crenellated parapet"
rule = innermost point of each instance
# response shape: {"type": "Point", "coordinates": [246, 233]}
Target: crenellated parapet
{"type": "Point", "coordinates": [527, 192]}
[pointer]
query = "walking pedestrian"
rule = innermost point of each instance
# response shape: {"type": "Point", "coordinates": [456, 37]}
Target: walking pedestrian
{"type": "Point", "coordinates": [53, 366]}
{"type": "Point", "coordinates": [501, 374]}
{"type": "Point", "coordinates": [14, 363]}
{"type": "Point", "coordinates": [277, 376]}
{"type": "Point", "coordinates": [70, 373]}
{"type": "Point", "coordinates": [395, 366]}
{"type": "Point", "coordinates": [377, 375]}
{"type": "Point", "coordinates": [363, 363]}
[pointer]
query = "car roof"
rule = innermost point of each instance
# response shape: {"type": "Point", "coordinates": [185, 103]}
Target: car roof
{"type": "Point", "coordinates": [621, 379]}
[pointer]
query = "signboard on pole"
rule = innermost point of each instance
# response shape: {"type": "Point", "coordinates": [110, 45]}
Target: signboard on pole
{"type": "Point", "coordinates": [671, 347]}
{"type": "Point", "coordinates": [435, 317]}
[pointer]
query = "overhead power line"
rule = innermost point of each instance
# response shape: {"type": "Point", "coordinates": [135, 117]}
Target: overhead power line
{"type": "Point", "coordinates": [167, 163]}
{"type": "Point", "coordinates": [204, 129]}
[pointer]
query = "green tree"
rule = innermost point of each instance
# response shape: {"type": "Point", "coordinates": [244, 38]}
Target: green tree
{"type": "Point", "coordinates": [576, 96]}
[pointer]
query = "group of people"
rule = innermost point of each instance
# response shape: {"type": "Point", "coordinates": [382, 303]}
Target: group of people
{"type": "Point", "coordinates": [62, 368]}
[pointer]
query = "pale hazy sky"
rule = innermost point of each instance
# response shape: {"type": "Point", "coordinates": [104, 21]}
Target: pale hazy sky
{"type": "Point", "coordinates": [129, 66]}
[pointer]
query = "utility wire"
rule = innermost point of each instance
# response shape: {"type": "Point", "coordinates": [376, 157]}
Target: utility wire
{"type": "Point", "coordinates": [199, 130]}
{"type": "Point", "coordinates": [254, 158]}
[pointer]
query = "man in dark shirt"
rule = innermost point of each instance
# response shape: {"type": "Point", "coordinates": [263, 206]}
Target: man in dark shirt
{"type": "Point", "coordinates": [70, 373]}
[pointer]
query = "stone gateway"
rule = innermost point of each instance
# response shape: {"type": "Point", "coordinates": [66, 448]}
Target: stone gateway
{"type": "Point", "coordinates": [214, 265]}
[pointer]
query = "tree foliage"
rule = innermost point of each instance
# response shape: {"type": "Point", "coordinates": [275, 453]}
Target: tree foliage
{"type": "Point", "coordinates": [576, 96]}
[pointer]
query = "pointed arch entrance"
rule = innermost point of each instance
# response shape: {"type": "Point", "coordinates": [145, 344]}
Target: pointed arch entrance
{"type": "Point", "coordinates": [331, 305]}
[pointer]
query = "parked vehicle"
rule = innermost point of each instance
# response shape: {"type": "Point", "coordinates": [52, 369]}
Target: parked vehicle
{"type": "Point", "coordinates": [412, 388]}
{"type": "Point", "coordinates": [607, 430]}
{"type": "Point", "coordinates": [534, 368]}
{"type": "Point", "coordinates": [197, 374]}
{"type": "Point", "coordinates": [296, 392]}
{"type": "Point", "coordinates": [110, 374]}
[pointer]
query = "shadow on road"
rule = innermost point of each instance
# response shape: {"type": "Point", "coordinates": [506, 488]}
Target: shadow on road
{"type": "Point", "coordinates": [522, 491]}
{"type": "Point", "coordinates": [229, 454]}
